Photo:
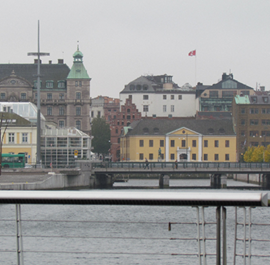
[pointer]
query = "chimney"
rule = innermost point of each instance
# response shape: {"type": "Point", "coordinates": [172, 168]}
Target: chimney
{"type": "Point", "coordinates": [50, 62]}
{"type": "Point", "coordinates": [36, 61]}
{"type": "Point", "coordinates": [60, 61]}
{"type": "Point", "coordinates": [262, 88]}
{"type": "Point", "coordinates": [224, 76]}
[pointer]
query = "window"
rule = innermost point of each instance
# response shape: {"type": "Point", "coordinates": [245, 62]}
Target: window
{"type": "Point", "coordinates": [78, 95]}
{"type": "Point", "coordinates": [172, 156]}
{"type": "Point", "coordinates": [227, 157]}
{"type": "Point", "coordinates": [11, 138]}
{"type": "Point", "coordinates": [243, 110]}
{"type": "Point", "coordinates": [253, 99]}
{"type": "Point", "coordinates": [23, 95]}
{"type": "Point", "coordinates": [243, 122]}
{"type": "Point", "coordinates": [161, 143]}
{"type": "Point", "coordinates": [265, 99]}
{"type": "Point", "coordinates": [265, 133]}
{"type": "Point", "coordinates": [228, 94]}
{"type": "Point", "coordinates": [164, 96]}
{"type": "Point", "coordinates": [130, 96]}
{"type": "Point", "coordinates": [78, 111]}
{"type": "Point", "coordinates": [265, 122]}
{"type": "Point", "coordinates": [172, 143]}
{"type": "Point", "coordinates": [61, 124]}
{"type": "Point", "coordinates": [253, 133]}
{"type": "Point", "coordinates": [145, 108]}
{"type": "Point", "coordinates": [49, 96]}
{"type": "Point", "coordinates": [254, 122]}
{"type": "Point", "coordinates": [243, 133]}
{"type": "Point", "coordinates": [61, 111]}
{"type": "Point", "coordinates": [141, 143]}
{"type": "Point", "coordinates": [254, 111]}
{"type": "Point", "coordinates": [179, 97]}
{"type": "Point", "coordinates": [49, 111]}
{"type": "Point", "coordinates": [193, 156]}
{"type": "Point", "coordinates": [145, 97]}
{"type": "Point", "coordinates": [151, 143]}
{"type": "Point", "coordinates": [24, 137]}
{"type": "Point", "coordinates": [213, 94]}
{"type": "Point", "coordinates": [254, 144]}
{"type": "Point", "coordinates": [205, 157]}
{"type": "Point", "coordinates": [141, 156]}
{"type": "Point", "coordinates": [164, 108]}
{"type": "Point", "coordinates": [193, 143]}
{"type": "Point", "coordinates": [216, 157]}
{"type": "Point", "coordinates": [35, 95]}
{"type": "Point", "coordinates": [78, 125]}
{"type": "Point", "coordinates": [216, 143]}
{"type": "Point", "coordinates": [61, 96]}
{"type": "Point", "coordinates": [61, 84]}
{"type": "Point", "coordinates": [151, 156]}
{"type": "Point", "coordinates": [49, 84]}
{"type": "Point", "coordinates": [3, 95]}
{"type": "Point", "coordinates": [205, 143]}
{"type": "Point", "coordinates": [172, 96]}
{"type": "Point", "coordinates": [183, 143]}
{"type": "Point", "coordinates": [227, 143]}
{"type": "Point", "coordinates": [172, 108]}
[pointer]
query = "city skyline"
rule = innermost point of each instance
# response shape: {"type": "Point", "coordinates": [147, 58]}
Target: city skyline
{"type": "Point", "coordinates": [122, 40]}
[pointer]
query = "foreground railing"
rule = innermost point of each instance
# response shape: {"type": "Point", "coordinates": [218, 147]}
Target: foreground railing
{"type": "Point", "coordinates": [56, 235]}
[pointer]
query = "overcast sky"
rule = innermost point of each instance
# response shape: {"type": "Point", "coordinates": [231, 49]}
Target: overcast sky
{"type": "Point", "coordinates": [124, 39]}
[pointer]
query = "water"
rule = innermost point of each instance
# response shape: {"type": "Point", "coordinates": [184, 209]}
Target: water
{"type": "Point", "coordinates": [121, 234]}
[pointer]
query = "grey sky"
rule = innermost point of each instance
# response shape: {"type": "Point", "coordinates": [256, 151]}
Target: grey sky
{"type": "Point", "coordinates": [124, 39]}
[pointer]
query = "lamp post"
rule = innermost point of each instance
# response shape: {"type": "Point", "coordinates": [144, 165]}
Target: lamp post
{"type": "Point", "coordinates": [38, 54]}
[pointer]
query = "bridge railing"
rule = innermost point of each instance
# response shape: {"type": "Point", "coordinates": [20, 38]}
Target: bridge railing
{"type": "Point", "coordinates": [173, 165]}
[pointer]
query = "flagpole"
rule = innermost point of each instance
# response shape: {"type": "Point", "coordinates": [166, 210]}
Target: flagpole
{"type": "Point", "coordinates": [195, 69]}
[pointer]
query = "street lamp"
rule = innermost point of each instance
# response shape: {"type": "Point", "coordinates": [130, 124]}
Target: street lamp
{"type": "Point", "coordinates": [38, 54]}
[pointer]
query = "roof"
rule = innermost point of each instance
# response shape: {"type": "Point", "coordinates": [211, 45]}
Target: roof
{"type": "Point", "coordinates": [254, 99]}
{"type": "Point", "coordinates": [78, 70]}
{"type": "Point", "coordinates": [54, 72]}
{"type": "Point", "coordinates": [166, 126]}
{"type": "Point", "coordinates": [242, 99]}
{"type": "Point", "coordinates": [13, 120]}
{"type": "Point", "coordinates": [214, 115]}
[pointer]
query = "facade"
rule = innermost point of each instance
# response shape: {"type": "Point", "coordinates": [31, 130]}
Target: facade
{"type": "Point", "coordinates": [64, 93]}
{"type": "Point", "coordinates": [19, 136]}
{"type": "Point", "coordinates": [62, 146]}
{"type": "Point", "coordinates": [159, 96]}
{"type": "Point", "coordinates": [251, 121]}
{"type": "Point", "coordinates": [219, 96]}
{"type": "Point", "coordinates": [181, 140]}
{"type": "Point", "coordinates": [127, 114]}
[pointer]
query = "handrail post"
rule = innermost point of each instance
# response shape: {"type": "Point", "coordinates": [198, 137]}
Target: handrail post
{"type": "Point", "coordinates": [218, 236]}
{"type": "Point", "coordinates": [224, 245]}
{"type": "Point", "coordinates": [19, 235]}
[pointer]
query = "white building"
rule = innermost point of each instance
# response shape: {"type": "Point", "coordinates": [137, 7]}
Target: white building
{"type": "Point", "coordinates": [159, 96]}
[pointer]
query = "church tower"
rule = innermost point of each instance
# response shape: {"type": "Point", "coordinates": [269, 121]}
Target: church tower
{"type": "Point", "coordinates": [78, 95]}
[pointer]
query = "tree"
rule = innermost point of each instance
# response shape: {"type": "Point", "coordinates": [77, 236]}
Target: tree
{"type": "Point", "coordinates": [248, 154]}
{"type": "Point", "coordinates": [102, 134]}
{"type": "Point", "coordinates": [257, 155]}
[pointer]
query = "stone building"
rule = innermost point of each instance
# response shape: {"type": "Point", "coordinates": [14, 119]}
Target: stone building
{"type": "Point", "coordinates": [64, 93]}
{"type": "Point", "coordinates": [251, 121]}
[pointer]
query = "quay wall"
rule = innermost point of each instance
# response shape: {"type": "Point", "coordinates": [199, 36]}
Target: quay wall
{"type": "Point", "coordinates": [248, 178]}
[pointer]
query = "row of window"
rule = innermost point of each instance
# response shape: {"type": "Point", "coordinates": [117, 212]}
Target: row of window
{"type": "Point", "coordinates": [193, 157]}
{"type": "Point", "coordinates": [183, 143]}
{"type": "Point", "coordinates": [62, 111]}
{"type": "Point", "coordinates": [78, 123]}
{"type": "Point", "coordinates": [11, 138]}
{"type": "Point", "coordinates": [256, 110]}
{"type": "Point", "coordinates": [50, 84]}
{"type": "Point", "coordinates": [256, 133]}
{"type": "Point", "coordinates": [256, 122]}
{"type": "Point", "coordinates": [146, 108]}
{"type": "Point", "coordinates": [225, 94]}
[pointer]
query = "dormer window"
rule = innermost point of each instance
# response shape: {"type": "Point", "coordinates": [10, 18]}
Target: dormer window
{"type": "Point", "coordinates": [265, 99]}
{"type": "Point", "coordinates": [61, 84]}
{"type": "Point", "coordinates": [35, 84]}
{"type": "Point", "coordinates": [254, 99]}
{"type": "Point", "coordinates": [49, 84]}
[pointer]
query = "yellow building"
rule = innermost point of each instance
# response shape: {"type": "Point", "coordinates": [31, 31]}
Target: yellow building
{"type": "Point", "coordinates": [18, 136]}
{"type": "Point", "coordinates": [179, 139]}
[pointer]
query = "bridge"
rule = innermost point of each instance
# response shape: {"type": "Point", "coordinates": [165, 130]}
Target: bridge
{"type": "Point", "coordinates": [106, 171]}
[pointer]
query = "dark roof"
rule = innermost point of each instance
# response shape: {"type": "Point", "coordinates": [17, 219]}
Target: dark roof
{"type": "Point", "coordinates": [260, 99]}
{"type": "Point", "coordinates": [13, 120]}
{"type": "Point", "coordinates": [55, 72]}
{"type": "Point", "coordinates": [164, 126]}
{"type": "Point", "coordinates": [214, 115]}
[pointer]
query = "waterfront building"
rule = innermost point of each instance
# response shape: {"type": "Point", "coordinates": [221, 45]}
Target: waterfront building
{"type": "Point", "coordinates": [219, 96]}
{"type": "Point", "coordinates": [19, 136]}
{"type": "Point", "coordinates": [159, 96]}
{"type": "Point", "coordinates": [64, 93]}
{"type": "Point", "coordinates": [251, 121]}
{"type": "Point", "coordinates": [179, 139]}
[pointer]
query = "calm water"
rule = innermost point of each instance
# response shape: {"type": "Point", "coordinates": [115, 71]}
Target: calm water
{"type": "Point", "coordinates": [121, 234]}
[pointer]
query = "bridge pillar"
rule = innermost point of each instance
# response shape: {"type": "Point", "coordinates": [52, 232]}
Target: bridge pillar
{"type": "Point", "coordinates": [103, 181]}
{"type": "Point", "coordinates": [164, 181]}
{"type": "Point", "coordinates": [266, 182]}
{"type": "Point", "coordinates": [218, 181]}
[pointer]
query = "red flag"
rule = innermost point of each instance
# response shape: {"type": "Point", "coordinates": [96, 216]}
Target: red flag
{"type": "Point", "coordinates": [192, 53]}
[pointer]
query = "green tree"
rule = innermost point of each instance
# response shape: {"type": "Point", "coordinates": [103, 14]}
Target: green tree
{"type": "Point", "coordinates": [102, 134]}
{"type": "Point", "coordinates": [267, 154]}
{"type": "Point", "coordinates": [248, 154]}
{"type": "Point", "coordinates": [257, 155]}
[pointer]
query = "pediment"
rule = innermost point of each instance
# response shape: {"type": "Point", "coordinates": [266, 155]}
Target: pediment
{"type": "Point", "coordinates": [14, 81]}
{"type": "Point", "coordinates": [183, 131]}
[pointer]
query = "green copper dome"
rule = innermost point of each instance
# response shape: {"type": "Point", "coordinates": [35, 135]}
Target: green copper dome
{"type": "Point", "coordinates": [78, 70]}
